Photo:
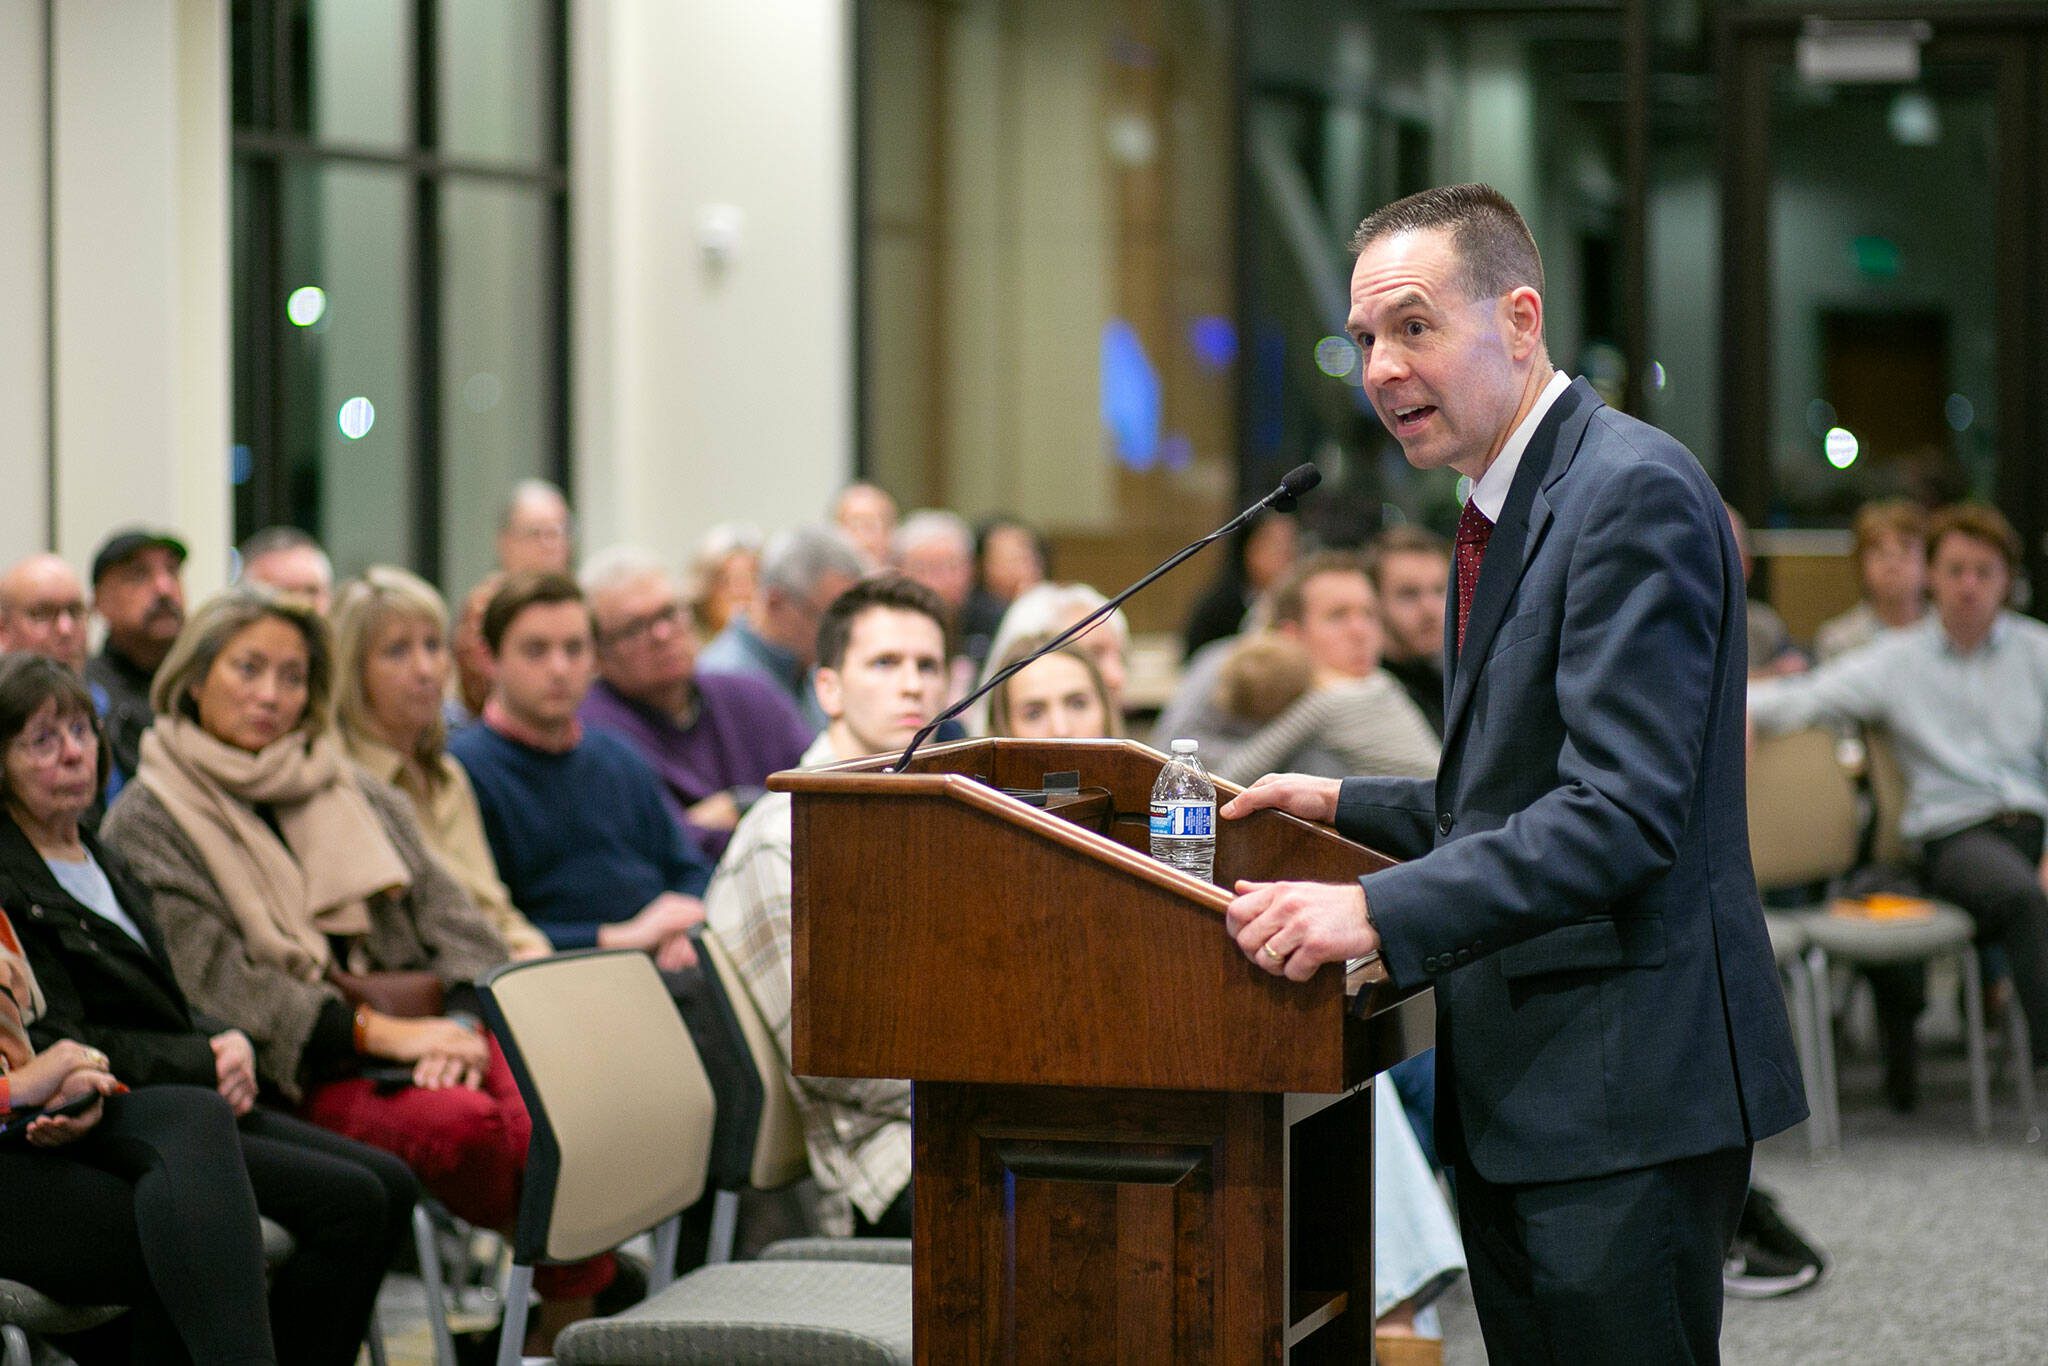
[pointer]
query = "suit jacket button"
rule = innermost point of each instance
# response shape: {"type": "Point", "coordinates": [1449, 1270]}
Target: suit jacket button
{"type": "Point", "coordinates": [1443, 823]}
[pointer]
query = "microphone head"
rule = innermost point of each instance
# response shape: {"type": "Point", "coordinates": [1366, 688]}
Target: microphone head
{"type": "Point", "coordinates": [1299, 480]}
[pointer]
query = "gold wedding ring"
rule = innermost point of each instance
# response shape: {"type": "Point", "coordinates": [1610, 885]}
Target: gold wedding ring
{"type": "Point", "coordinates": [1272, 953]}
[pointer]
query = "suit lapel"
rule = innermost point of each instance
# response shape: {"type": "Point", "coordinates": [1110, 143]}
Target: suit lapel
{"type": "Point", "coordinates": [1524, 519]}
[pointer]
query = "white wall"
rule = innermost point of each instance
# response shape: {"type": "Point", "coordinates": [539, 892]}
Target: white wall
{"type": "Point", "coordinates": [24, 323]}
{"type": "Point", "coordinates": [704, 395]}
{"type": "Point", "coordinates": [139, 389]}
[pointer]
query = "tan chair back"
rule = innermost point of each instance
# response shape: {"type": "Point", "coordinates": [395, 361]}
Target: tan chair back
{"type": "Point", "coordinates": [1888, 797]}
{"type": "Point", "coordinates": [1803, 823]}
{"type": "Point", "coordinates": [622, 1106]}
{"type": "Point", "coordinates": [780, 1156]}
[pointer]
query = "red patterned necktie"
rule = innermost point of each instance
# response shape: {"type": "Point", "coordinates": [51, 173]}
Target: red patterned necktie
{"type": "Point", "coordinates": [1474, 530]}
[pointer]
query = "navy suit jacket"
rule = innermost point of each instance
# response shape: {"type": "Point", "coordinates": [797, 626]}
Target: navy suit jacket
{"type": "Point", "coordinates": [1579, 888]}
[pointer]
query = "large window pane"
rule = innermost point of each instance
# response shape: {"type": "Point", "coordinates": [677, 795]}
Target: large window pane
{"type": "Point", "coordinates": [354, 62]}
{"type": "Point", "coordinates": [346, 399]}
{"type": "Point", "coordinates": [499, 395]}
{"type": "Point", "coordinates": [494, 79]}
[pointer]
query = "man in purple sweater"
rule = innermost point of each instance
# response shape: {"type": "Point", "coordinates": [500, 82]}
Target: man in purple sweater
{"type": "Point", "coordinates": [712, 738]}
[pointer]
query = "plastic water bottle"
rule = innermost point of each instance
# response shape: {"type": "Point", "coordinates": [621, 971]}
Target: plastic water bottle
{"type": "Point", "coordinates": [1184, 814]}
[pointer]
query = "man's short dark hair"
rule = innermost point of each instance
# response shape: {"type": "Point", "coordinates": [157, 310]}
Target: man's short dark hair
{"type": "Point", "coordinates": [1979, 522]}
{"type": "Point", "coordinates": [534, 588]}
{"type": "Point", "coordinates": [1495, 250]}
{"type": "Point", "coordinates": [1290, 596]}
{"type": "Point", "coordinates": [1405, 539]}
{"type": "Point", "coordinates": [892, 591]}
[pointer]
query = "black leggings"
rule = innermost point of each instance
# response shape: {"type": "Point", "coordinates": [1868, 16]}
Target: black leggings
{"type": "Point", "coordinates": [151, 1209]}
{"type": "Point", "coordinates": [348, 1206]}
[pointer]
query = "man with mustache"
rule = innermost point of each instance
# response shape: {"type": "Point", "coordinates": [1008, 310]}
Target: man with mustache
{"type": "Point", "coordinates": [137, 591]}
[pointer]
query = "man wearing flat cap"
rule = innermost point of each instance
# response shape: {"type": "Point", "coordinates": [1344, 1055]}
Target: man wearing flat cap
{"type": "Point", "coordinates": [138, 592]}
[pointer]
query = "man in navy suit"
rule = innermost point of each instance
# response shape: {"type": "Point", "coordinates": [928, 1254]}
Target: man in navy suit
{"type": "Point", "coordinates": [1611, 1037]}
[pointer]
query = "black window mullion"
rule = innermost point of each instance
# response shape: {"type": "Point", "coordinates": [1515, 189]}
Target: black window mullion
{"type": "Point", "coordinates": [426, 300]}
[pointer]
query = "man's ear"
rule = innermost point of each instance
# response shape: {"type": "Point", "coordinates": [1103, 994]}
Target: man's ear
{"type": "Point", "coordinates": [825, 682]}
{"type": "Point", "coordinates": [1522, 321]}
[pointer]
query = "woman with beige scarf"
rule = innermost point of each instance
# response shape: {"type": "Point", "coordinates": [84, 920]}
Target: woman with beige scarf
{"type": "Point", "coordinates": [295, 889]}
{"type": "Point", "coordinates": [141, 1200]}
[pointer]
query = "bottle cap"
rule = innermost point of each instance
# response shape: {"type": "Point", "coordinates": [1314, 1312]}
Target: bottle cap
{"type": "Point", "coordinates": [1185, 746]}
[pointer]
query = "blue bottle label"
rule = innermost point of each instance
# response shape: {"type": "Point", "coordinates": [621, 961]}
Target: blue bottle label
{"type": "Point", "coordinates": [1183, 820]}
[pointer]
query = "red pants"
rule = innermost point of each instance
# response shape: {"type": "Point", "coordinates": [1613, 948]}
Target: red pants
{"type": "Point", "coordinates": [467, 1147]}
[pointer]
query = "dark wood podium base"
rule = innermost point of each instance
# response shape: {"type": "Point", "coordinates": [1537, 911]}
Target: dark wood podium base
{"type": "Point", "coordinates": [1071, 1226]}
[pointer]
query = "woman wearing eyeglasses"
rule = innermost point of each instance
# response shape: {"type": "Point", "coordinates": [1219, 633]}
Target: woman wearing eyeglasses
{"type": "Point", "coordinates": [190, 1142]}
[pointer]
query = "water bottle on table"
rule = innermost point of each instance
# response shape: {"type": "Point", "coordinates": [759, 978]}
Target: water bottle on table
{"type": "Point", "coordinates": [1184, 813]}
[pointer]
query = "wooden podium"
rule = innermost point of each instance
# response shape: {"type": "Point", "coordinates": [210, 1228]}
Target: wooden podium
{"type": "Point", "coordinates": [1132, 1145]}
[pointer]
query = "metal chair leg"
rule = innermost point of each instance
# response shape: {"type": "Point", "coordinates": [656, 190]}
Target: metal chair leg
{"type": "Point", "coordinates": [1973, 1033]}
{"type": "Point", "coordinates": [2019, 1047]}
{"type": "Point", "coordinates": [1824, 1043]}
{"type": "Point", "coordinates": [434, 1282]}
{"type": "Point", "coordinates": [725, 1223]}
{"type": "Point", "coordinates": [667, 1234]}
{"type": "Point", "coordinates": [512, 1329]}
{"type": "Point", "coordinates": [1805, 1030]}
{"type": "Point", "coordinates": [374, 1340]}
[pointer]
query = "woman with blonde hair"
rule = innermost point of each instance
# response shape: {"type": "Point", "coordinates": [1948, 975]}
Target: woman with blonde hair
{"type": "Point", "coordinates": [302, 906]}
{"type": "Point", "coordinates": [1058, 697]}
{"type": "Point", "coordinates": [391, 666]}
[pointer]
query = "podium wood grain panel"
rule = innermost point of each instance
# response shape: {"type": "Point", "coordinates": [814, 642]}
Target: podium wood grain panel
{"type": "Point", "coordinates": [1131, 1227]}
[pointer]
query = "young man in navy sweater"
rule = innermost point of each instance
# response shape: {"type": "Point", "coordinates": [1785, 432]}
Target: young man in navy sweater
{"type": "Point", "coordinates": [574, 819]}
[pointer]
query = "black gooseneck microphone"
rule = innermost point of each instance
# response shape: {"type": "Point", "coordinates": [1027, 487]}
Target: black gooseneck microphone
{"type": "Point", "coordinates": [1299, 480]}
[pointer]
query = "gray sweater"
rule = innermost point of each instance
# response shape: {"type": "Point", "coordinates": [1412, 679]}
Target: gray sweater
{"type": "Point", "coordinates": [431, 925]}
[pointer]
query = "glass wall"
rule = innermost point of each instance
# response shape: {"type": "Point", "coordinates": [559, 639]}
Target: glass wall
{"type": "Point", "coordinates": [399, 271]}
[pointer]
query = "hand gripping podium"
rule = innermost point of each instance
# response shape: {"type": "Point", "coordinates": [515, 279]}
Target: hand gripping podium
{"type": "Point", "coordinates": [1132, 1144]}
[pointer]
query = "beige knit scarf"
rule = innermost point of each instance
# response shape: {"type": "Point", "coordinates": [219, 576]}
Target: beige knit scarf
{"type": "Point", "coordinates": [287, 898]}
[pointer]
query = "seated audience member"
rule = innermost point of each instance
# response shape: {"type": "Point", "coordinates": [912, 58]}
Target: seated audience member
{"type": "Point", "coordinates": [302, 907]}
{"type": "Point", "coordinates": [712, 738]}
{"type": "Point", "coordinates": [1891, 565]}
{"type": "Point", "coordinates": [472, 657]}
{"type": "Point", "coordinates": [1354, 714]}
{"type": "Point", "coordinates": [91, 938]}
{"type": "Point", "coordinates": [1961, 695]}
{"type": "Point", "coordinates": [1009, 557]}
{"type": "Point", "coordinates": [935, 548]}
{"type": "Point", "coordinates": [1771, 651]}
{"type": "Point", "coordinates": [291, 563]}
{"type": "Point", "coordinates": [1257, 558]}
{"type": "Point", "coordinates": [43, 611]}
{"type": "Point", "coordinates": [1047, 610]}
{"type": "Point", "coordinates": [1411, 576]}
{"type": "Point", "coordinates": [802, 571]}
{"type": "Point", "coordinates": [881, 675]}
{"type": "Point", "coordinates": [1059, 697]}
{"type": "Point", "coordinates": [867, 514]}
{"type": "Point", "coordinates": [138, 592]}
{"type": "Point", "coordinates": [723, 576]}
{"type": "Point", "coordinates": [536, 534]}
{"type": "Point", "coordinates": [574, 816]}
{"type": "Point", "coordinates": [391, 665]}
{"type": "Point", "coordinates": [142, 1200]}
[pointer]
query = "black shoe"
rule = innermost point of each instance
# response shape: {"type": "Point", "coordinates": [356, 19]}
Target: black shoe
{"type": "Point", "coordinates": [1750, 1273]}
{"type": "Point", "coordinates": [1764, 1227]}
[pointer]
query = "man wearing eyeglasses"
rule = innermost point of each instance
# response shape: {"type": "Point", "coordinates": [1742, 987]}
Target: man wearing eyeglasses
{"type": "Point", "coordinates": [712, 738]}
{"type": "Point", "coordinates": [43, 611]}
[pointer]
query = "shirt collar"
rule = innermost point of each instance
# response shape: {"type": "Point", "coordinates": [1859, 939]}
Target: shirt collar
{"type": "Point", "coordinates": [2001, 627]}
{"type": "Point", "coordinates": [382, 760]}
{"type": "Point", "coordinates": [820, 752]}
{"type": "Point", "coordinates": [1490, 493]}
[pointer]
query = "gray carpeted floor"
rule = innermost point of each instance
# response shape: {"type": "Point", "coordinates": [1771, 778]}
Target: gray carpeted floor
{"type": "Point", "coordinates": [1939, 1242]}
